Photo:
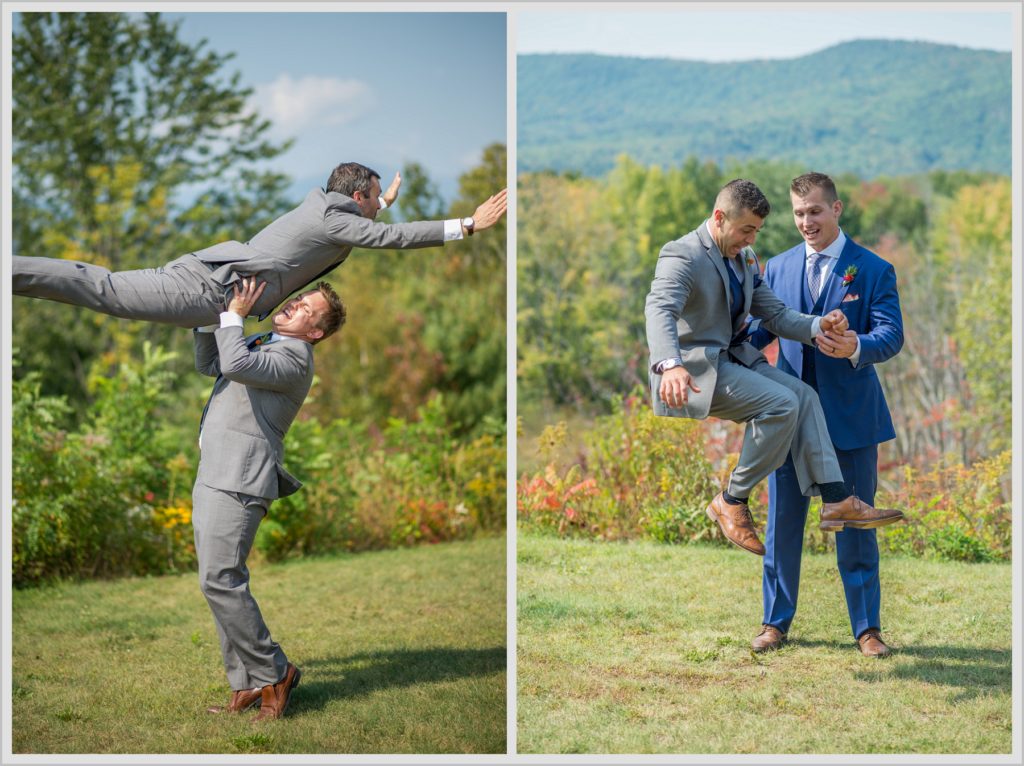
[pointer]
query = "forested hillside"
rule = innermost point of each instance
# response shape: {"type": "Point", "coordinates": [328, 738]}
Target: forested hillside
{"type": "Point", "coordinates": [869, 107]}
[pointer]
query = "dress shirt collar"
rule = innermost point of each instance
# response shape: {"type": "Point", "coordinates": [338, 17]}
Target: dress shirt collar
{"type": "Point", "coordinates": [833, 251]}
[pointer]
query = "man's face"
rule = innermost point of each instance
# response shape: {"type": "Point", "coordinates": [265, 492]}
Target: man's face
{"type": "Point", "coordinates": [816, 219]}
{"type": "Point", "coordinates": [369, 204]}
{"type": "Point", "coordinates": [736, 232]}
{"type": "Point", "coordinates": [298, 318]}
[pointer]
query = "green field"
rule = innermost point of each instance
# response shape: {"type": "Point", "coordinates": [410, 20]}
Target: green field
{"type": "Point", "coordinates": [644, 648]}
{"type": "Point", "coordinates": [401, 651]}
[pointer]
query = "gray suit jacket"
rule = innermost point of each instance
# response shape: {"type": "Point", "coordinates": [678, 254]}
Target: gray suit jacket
{"type": "Point", "coordinates": [251, 408]}
{"type": "Point", "coordinates": [688, 315]}
{"type": "Point", "coordinates": [306, 243]}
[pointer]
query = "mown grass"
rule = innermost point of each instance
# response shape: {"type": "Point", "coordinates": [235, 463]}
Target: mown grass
{"type": "Point", "coordinates": [645, 648]}
{"type": "Point", "coordinates": [401, 651]}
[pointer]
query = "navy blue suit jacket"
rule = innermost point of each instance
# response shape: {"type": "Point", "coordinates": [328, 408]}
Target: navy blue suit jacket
{"type": "Point", "coordinates": [852, 398]}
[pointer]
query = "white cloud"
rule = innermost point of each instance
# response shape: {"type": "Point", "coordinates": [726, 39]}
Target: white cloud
{"type": "Point", "coordinates": [293, 104]}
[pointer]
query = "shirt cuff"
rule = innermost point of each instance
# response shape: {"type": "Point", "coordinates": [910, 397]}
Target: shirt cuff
{"type": "Point", "coordinates": [452, 229]}
{"type": "Point", "coordinates": [383, 203]}
{"type": "Point", "coordinates": [231, 319]}
{"type": "Point", "coordinates": [815, 328]}
{"type": "Point", "coordinates": [855, 356]}
{"type": "Point", "coordinates": [207, 328]}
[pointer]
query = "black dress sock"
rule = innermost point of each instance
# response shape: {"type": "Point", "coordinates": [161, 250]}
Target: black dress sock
{"type": "Point", "coordinates": [834, 492]}
{"type": "Point", "coordinates": [733, 499]}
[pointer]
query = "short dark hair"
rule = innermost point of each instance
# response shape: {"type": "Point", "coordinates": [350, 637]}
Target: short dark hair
{"type": "Point", "coordinates": [739, 195]}
{"type": "Point", "coordinates": [335, 316]}
{"type": "Point", "coordinates": [351, 177]}
{"type": "Point", "coordinates": [803, 185]}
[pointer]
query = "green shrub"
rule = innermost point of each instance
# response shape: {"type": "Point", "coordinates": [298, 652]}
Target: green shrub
{"type": "Point", "coordinates": [114, 496]}
{"type": "Point", "coordinates": [109, 498]}
{"type": "Point", "coordinates": [640, 475]}
{"type": "Point", "coordinates": [953, 511]}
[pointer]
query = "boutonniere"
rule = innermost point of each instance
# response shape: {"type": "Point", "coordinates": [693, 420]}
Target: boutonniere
{"type": "Point", "coordinates": [849, 274]}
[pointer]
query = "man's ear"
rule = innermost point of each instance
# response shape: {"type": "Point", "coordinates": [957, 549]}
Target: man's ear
{"type": "Point", "coordinates": [315, 334]}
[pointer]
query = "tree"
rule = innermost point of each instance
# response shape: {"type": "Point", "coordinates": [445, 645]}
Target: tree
{"type": "Point", "coordinates": [130, 148]}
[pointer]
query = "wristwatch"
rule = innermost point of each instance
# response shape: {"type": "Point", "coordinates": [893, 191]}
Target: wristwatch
{"type": "Point", "coordinates": [468, 224]}
{"type": "Point", "coordinates": [668, 364]}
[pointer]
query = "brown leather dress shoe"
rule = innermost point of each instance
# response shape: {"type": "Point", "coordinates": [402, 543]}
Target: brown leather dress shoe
{"type": "Point", "coordinates": [736, 524]}
{"type": "Point", "coordinates": [854, 512]}
{"type": "Point", "coordinates": [872, 645]}
{"type": "Point", "coordinates": [241, 700]}
{"type": "Point", "coordinates": [276, 698]}
{"type": "Point", "coordinates": [769, 639]}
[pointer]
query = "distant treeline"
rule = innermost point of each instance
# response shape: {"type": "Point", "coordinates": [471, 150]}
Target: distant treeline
{"type": "Point", "coordinates": [586, 250]}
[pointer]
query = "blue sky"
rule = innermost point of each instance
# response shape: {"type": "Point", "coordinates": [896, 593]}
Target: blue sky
{"type": "Point", "coordinates": [376, 88]}
{"type": "Point", "coordinates": [739, 34]}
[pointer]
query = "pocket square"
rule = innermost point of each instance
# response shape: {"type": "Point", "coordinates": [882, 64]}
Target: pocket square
{"type": "Point", "coordinates": [852, 297]}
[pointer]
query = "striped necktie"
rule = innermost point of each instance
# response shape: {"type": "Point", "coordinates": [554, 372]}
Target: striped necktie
{"type": "Point", "coordinates": [817, 262]}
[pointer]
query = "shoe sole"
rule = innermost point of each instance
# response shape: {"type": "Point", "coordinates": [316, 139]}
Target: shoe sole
{"type": "Point", "coordinates": [714, 517]}
{"type": "Point", "coordinates": [839, 525]}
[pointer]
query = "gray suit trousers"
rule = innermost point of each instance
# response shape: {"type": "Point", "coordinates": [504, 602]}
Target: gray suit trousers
{"type": "Point", "coordinates": [782, 414]}
{"type": "Point", "coordinates": [225, 525]}
{"type": "Point", "coordinates": [181, 293]}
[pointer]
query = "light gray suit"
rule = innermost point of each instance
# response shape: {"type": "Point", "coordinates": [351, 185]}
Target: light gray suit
{"type": "Point", "coordinates": [254, 401]}
{"type": "Point", "coordinates": [293, 251]}
{"type": "Point", "coordinates": [689, 317]}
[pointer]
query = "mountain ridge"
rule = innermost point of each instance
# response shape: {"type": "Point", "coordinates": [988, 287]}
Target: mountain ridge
{"type": "Point", "coordinates": [872, 107]}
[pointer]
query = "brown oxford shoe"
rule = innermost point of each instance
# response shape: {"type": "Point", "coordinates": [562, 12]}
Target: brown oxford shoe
{"type": "Point", "coordinates": [854, 512]}
{"type": "Point", "coordinates": [872, 645]}
{"type": "Point", "coordinates": [769, 639]}
{"type": "Point", "coordinates": [276, 698]}
{"type": "Point", "coordinates": [736, 524]}
{"type": "Point", "coordinates": [241, 700]}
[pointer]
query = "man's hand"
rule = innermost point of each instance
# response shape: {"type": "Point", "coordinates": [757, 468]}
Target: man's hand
{"type": "Point", "coordinates": [837, 345]}
{"type": "Point", "coordinates": [834, 321]}
{"type": "Point", "coordinates": [676, 385]}
{"type": "Point", "coordinates": [392, 193]}
{"type": "Point", "coordinates": [489, 212]}
{"type": "Point", "coordinates": [243, 301]}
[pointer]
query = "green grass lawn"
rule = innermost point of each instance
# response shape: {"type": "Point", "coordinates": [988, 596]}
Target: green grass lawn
{"type": "Point", "coordinates": [401, 651]}
{"type": "Point", "coordinates": [645, 648]}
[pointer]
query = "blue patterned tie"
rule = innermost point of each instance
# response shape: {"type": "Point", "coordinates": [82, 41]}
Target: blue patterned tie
{"type": "Point", "coordinates": [814, 276]}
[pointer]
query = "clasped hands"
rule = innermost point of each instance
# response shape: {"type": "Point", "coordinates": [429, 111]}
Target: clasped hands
{"type": "Point", "coordinates": [836, 339]}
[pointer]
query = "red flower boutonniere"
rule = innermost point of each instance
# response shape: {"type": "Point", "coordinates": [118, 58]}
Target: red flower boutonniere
{"type": "Point", "coordinates": [849, 274]}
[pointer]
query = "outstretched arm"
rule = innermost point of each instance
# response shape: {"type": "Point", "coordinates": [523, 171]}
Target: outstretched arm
{"type": "Point", "coordinates": [345, 226]}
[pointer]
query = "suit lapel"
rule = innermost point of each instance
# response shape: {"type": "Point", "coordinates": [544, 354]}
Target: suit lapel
{"type": "Point", "coordinates": [750, 271]}
{"type": "Point", "coordinates": [716, 259]}
{"type": "Point", "coordinates": [835, 288]}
